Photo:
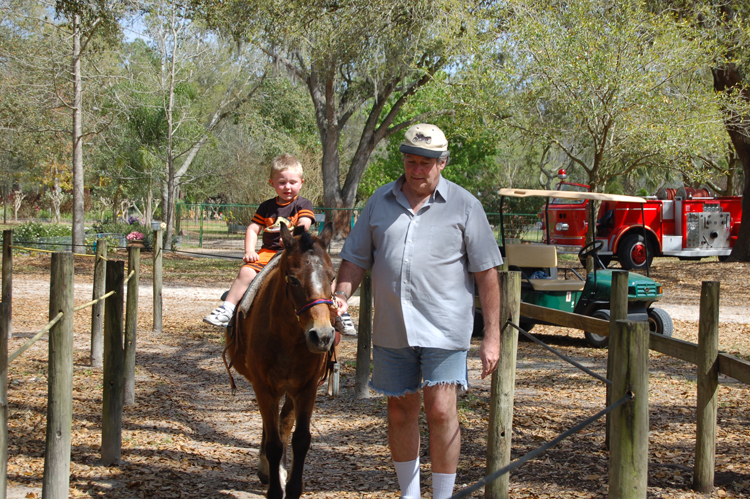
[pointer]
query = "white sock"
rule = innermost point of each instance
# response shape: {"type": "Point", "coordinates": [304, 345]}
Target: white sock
{"type": "Point", "coordinates": [229, 306]}
{"type": "Point", "coordinates": [408, 478]}
{"type": "Point", "coordinates": [442, 485]}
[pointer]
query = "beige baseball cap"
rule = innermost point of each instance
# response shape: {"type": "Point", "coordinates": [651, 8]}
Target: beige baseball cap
{"type": "Point", "coordinates": [424, 140]}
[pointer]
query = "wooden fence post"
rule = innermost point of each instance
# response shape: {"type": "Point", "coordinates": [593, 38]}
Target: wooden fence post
{"type": "Point", "coordinates": [364, 339]}
{"type": "Point", "coordinates": [628, 456]}
{"type": "Point", "coordinates": [113, 367]}
{"type": "Point", "coordinates": [618, 311]}
{"type": "Point", "coordinates": [56, 479]}
{"type": "Point", "coordinates": [503, 383]}
{"type": "Point", "coordinates": [3, 403]}
{"type": "Point", "coordinates": [708, 385]}
{"type": "Point", "coordinates": [157, 280]}
{"type": "Point", "coordinates": [7, 285]}
{"type": "Point", "coordinates": [131, 324]}
{"type": "Point", "coordinates": [97, 310]}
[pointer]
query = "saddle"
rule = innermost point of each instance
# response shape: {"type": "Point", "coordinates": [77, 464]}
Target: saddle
{"type": "Point", "coordinates": [245, 305]}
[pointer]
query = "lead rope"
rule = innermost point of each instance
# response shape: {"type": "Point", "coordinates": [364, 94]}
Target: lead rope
{"type": "Point", "coordinates": [232, 339]}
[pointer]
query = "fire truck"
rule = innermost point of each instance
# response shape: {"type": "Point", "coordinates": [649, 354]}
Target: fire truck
{"type": "Point", "coordinates": [686, 223]}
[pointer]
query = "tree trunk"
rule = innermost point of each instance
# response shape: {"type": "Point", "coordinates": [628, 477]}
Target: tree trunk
{"type": "Point", "coordinates": [78, 211]}
{"type": "Point", "coordinates": [728, 79]}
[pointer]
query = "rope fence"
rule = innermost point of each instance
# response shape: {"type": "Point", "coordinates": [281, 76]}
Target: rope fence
{"type": "Point", "coordinates": [35, 337]}
{"type": "Point", "coordinates": [540, 450]}
{"type": "Point", "coordinates": [562, 356]}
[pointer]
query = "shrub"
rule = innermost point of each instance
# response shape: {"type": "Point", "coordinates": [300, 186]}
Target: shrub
{"type": "Point", "coordinates": [31, 231]}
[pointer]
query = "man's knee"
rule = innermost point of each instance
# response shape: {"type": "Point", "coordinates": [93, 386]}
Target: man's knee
{"type": "Point", "coordinates": [440, 403]}
{"type": "Point", "coordinates": [404, 410]}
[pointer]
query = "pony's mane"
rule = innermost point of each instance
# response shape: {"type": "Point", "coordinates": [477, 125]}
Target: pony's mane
{"type": "Point", "coordinates": [305, 242]}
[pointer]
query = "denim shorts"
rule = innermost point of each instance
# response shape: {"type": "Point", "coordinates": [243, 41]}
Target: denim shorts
{"type": "Point", "coordinates": [398, 371]}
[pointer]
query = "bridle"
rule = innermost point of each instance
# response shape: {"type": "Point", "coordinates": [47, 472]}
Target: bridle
{"type": "Point", "coordinates": [330, 302]}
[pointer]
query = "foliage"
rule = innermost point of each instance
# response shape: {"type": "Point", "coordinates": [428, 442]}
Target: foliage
{"type": "Point", "coordinates": [30, 231]}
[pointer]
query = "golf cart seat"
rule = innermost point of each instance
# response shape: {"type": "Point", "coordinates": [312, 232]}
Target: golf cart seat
{"type": "Point", "coordinates": [530, 258]}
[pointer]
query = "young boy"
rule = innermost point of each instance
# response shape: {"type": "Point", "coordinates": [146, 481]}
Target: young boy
{"type": "Point", "coordinates": [289, 208]}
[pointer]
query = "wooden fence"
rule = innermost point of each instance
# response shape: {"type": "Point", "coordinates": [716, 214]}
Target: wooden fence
{"type": "Point", "coordinates": [112, 347]}
{"type": "Point", "coordinates": [627, 368]}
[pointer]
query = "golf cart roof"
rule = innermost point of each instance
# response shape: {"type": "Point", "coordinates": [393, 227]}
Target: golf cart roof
{"type": "Point", "coordinates": [525, 193]}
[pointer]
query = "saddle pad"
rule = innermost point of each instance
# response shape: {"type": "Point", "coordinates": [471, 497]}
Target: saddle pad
{"type": "Point", "coordinates": [252, 290]}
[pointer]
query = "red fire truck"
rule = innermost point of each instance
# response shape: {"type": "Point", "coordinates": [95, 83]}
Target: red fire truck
{"type": "Point", "coordinates": [686, 223]}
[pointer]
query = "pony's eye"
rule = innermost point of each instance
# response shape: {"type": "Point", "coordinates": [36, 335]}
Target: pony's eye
{"type": "Point", "coordinates": [293, 281]}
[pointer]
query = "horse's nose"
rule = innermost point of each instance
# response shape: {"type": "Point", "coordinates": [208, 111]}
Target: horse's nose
{"type": "Point", "coordinates": [320, 339]}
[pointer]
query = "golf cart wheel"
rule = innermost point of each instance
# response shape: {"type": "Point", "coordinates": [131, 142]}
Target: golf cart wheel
{"type": "Point", "coordinates": [660, 322]}
{"type": "Point", "coordinates": [632, 252]}
{"type": "Point", "coordinates": [595, 340]}
{"type": "Point", "coordinates": [723, 258]}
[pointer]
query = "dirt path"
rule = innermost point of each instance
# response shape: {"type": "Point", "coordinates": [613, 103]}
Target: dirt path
{"type": "Point", "coordinates": [188, 437]}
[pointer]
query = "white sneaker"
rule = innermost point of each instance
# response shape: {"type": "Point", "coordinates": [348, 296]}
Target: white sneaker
{"type": "Point", "coordinates": [346, 321]}
{"type": "Point", "coordinates": [220, 316]}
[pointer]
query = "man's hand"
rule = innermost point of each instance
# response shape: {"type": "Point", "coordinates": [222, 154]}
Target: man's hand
{"type": "Point", "coordinates": [489, 352]}
{"type": "Point", "coordinates": [251, 257]}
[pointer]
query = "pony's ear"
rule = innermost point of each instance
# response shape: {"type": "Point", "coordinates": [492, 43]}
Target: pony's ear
{"type": "Point", "coordinates": [298, 230]}
{"type": "Point", "coordinates": [287, 237]}
{"type": "Point", "coordinates": [326, 234]}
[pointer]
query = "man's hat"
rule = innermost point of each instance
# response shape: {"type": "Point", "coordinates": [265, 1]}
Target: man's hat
{"type": "Point", "coordinates": [424, 140]}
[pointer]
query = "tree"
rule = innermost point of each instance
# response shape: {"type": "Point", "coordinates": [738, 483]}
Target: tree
{"type": "Point", "coordinates": [85, 19]}
{"type": "Point", "coordinates": [614, 87]}
{"type": "Point", "coordinates": [366, 57]}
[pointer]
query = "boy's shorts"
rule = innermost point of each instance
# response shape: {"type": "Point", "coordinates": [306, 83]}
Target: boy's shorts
{"type": "Point", "coordinates": [399, 371]}
{"type": "Point", "coordinates": [264, 256]}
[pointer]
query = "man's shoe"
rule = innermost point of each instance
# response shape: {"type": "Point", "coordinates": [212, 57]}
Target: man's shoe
{"type": "Point", "coordinates": [346, 321]}
{"type": "Point", "coordinates": [220, 316]}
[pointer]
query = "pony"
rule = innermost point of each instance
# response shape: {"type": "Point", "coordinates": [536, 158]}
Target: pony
{"type": "Point", "coordinates": [282, 345]}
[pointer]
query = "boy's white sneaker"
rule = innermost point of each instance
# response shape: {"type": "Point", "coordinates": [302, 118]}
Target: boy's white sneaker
{"type": "Point", "coordinates": [220, 316]}
{"type": "Point", "coordinates": [346, 321]}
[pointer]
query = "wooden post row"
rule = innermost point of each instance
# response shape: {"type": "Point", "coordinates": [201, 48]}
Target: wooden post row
{"type": "Point", "coordinates": [364, 339]}
{"type": "Point", "coordinates": [131, 324]}
{"type": "Point", "coordinates": [628, 456]}
{"type": "Point", "coordinates": [503, 383]}
{"type": "Point", "coordinates": [708, 385]}
{"type": "Point", "coordinates": [113, 367]}
{"type": "Point", "coordinates": [97, 310]}
{"type": "Point", "coordinates": [157, 280]}
{"type": "Point", "coordinates": [56, 479]}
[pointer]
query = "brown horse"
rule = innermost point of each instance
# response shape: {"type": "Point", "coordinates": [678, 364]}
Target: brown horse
{"type": "Point", "coordinates": [281, 347]}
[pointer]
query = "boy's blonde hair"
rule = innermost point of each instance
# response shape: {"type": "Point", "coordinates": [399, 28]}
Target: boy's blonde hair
{"type": "Point", "coordinates": [286, 162]}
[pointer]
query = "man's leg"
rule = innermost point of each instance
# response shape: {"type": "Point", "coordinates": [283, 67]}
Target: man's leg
{"type": "Point", "coordinates": [445, 436]}
{"type": "Point", "coordinates": [403, 438]}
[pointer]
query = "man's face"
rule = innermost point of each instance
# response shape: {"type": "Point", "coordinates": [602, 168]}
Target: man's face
{"type": "Point", "coordinates": [422, 173]}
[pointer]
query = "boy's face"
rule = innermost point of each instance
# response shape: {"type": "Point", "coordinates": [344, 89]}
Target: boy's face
{"type": "Point", "coordinates": [286, 184]}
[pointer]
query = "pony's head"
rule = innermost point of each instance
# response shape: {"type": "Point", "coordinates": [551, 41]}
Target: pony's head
{"type": "Point", "coordinates": [309, 274]}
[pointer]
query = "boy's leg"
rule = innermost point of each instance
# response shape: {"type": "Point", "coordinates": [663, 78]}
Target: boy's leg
{"type": "Point", "coordinates": [221, 315]}
{"type": "Point", "coordinates": [240, 284]}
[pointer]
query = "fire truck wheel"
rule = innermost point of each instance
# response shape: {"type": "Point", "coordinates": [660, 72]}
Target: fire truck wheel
{"type": "Point", "coordinates": [596, 340]}
{"type": "Point", "coordinates": [631, 252]}
{"type": "Point", "coordinates": [660, 322]}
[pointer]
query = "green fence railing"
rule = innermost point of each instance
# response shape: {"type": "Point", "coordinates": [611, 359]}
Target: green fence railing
{"type": "Point", "coordinates": [223, 225]}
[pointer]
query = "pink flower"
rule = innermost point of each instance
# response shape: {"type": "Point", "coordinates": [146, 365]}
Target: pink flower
{"type": "Point", "coordinates": [134, 236]}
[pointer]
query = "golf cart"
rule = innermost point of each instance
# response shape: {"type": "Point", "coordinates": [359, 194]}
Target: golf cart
{"type": "Point", "coordinates": [564, 289]}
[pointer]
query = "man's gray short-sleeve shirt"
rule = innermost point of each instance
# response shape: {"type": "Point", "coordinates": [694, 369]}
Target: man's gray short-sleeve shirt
{"type": "Point", "coordinates": [422, 264]}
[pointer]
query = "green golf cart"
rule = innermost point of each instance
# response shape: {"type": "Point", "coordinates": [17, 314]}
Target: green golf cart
{"type": "Point", "coordinates": [543, 283]}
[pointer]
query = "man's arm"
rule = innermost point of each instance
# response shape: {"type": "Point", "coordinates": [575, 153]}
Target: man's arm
{"type": "Point", "coordinates": [489, 295]}
{"type": "Point", "coordinates": [350, 275]}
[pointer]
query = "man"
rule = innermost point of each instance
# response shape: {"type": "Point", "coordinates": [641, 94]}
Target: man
{"type": "Point", "coordinates": [427, 241]}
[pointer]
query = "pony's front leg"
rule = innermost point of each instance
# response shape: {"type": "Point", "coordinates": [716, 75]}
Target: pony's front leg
{"type": "Point", "coordinates": [272, 445]}
{"type": "Point", "coordinates": [301, 439]}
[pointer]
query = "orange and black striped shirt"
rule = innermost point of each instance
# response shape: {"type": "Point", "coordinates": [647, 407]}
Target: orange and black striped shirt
{"type": "Point", "coordinates": [271, 213]}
